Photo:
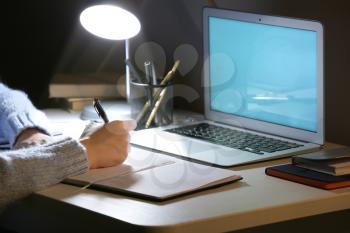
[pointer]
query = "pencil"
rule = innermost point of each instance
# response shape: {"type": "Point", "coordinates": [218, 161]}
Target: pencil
{"type": "Point", "coordinates": [169, 76]}
{"type": "Point", "coordinates": [156, 107]}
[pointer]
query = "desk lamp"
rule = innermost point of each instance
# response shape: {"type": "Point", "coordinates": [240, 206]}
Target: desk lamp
{"type": "Point", "coordinates": [113, 23]}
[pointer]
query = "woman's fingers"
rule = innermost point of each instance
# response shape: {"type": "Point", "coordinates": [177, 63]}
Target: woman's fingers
{"type": "Point", "coordinates": [121, 127]}
{"type": "Point", "coordinates": [109, 145]}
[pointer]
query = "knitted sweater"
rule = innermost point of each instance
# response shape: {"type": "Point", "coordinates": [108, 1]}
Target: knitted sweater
{"type": "Point", "coordinates": [18, 113]}
{"type": "Point", "coordinates": [31, 169]}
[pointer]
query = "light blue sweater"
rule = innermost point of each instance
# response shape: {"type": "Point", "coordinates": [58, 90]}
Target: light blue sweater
{"type": "Point", "coordinates": [27, 170]}
{"type": "Point", "coordinates": [18, 113]}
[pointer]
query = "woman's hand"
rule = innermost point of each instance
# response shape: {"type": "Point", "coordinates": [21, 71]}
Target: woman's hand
{"type": "Point", "coordinates": [109, 145]}
{"type": "Point", "coordinates": [31, 137]}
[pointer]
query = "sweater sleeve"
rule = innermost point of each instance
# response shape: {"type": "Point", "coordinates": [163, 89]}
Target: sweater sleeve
{"type": "Point", "coordinates": [18, 113]}
{"type": "Point", "coordinates": [31, 169]}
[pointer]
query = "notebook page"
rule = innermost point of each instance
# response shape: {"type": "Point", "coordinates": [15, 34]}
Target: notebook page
{"type": "Point", "coordinates": [166, 181]}
{"type": "Point", "coordinates": [138, 160]}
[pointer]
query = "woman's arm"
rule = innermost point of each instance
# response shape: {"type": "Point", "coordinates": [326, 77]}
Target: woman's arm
{"type": "Point", "coordinates": [31, 169]}
{"type": "Point", "coordinates": [26, 170]}
{"type": "Point", "coordinates": [17, 113]}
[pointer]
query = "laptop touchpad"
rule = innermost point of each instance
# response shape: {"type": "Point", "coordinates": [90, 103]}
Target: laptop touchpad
{"type": "Point", "coordinates": [195, 147]}
{"type": "Point", "coordinates": [188, 145]}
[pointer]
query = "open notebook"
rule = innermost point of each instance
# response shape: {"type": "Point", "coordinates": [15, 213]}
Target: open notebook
{"type": "Point", "coordinates": [154, 176]}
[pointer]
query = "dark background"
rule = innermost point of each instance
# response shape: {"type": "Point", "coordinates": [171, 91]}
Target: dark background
{"type": "Point", "coordinates": [40, 38]}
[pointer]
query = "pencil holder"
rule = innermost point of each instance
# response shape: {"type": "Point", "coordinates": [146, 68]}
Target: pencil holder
{"type": "Point", "coordinates": [151, 105]}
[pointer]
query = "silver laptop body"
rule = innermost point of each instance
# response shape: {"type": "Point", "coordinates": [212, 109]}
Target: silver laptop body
{"type": "Point", "coordinates": [261, 74]}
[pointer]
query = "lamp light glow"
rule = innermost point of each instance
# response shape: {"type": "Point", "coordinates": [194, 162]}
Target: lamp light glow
{"type": "Point", "coordinates": [110, 22]}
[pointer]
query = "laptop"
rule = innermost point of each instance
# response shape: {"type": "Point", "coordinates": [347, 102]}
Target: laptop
{"type": "Point", "coordinates": [263, 92]}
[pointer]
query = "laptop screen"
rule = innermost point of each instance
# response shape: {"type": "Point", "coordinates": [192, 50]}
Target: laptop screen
{"type": "Point", "coordinates": [263, 72]}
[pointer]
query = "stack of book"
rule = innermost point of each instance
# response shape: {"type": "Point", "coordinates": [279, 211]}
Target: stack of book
{"type": "Point", "coordinates": [75, 91]}
{"type": "Point", "coordinates": [75, 104]}
{"type": "Point", "coordinates": [327, 169]}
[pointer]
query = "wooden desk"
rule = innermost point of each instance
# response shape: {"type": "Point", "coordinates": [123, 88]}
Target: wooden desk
{"type": "Point", "coordinates": [256, 201]}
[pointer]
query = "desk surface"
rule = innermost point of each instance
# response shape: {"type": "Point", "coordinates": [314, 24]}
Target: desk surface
{"type": "Point", "coordinates": [256, 200]}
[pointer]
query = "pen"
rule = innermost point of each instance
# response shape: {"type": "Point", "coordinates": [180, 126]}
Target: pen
{"type": "Point", "coordinates": [169, 76]}
{"type": "Point", "coordinates": [154, 75]}
{"type": "Point", "coordinates": [156, 107]}
{"type": "Point", "coordinates": [148, 73]}
{"type": "Point", "coordinates": [134, 71]}
{"type": "Point", "coordinates": [100, 112]}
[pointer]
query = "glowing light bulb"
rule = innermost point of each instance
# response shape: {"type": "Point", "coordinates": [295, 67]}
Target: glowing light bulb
{"type": "Point", "coordinates": [110, 22]}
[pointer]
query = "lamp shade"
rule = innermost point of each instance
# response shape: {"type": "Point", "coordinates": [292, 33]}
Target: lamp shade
{"type": "Point", "coordinates": [110, 22]}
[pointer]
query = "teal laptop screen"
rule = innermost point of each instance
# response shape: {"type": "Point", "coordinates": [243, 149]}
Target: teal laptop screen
{"type": "Point", "coordinates": [263, 72]}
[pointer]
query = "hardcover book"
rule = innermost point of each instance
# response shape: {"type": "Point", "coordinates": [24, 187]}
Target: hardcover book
{"type": "Point", "coordinates": [308, 177]}
{"type": "Point", "coordinates": [332, 161]}
{"type": "Point", "coordinates": [85, 85]}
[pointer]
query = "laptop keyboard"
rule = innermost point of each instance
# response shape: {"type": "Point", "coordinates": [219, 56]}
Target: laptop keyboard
{"type": "Point", "coordinates": [234, 138]}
